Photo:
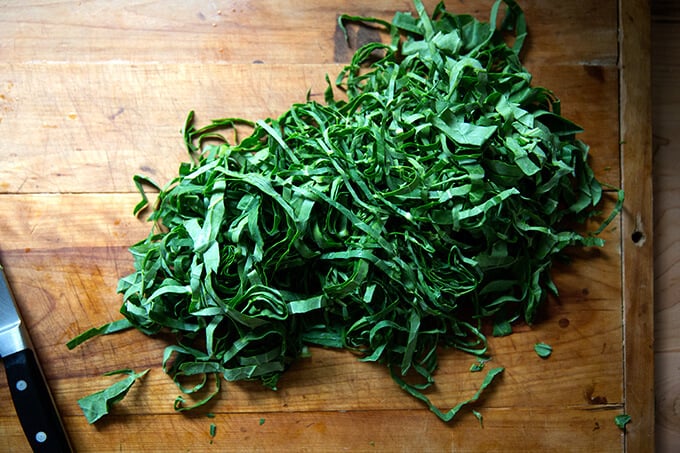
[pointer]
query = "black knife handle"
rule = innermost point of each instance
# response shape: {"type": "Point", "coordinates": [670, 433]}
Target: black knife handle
{"type": "Point", "coordinates": [33, 403]}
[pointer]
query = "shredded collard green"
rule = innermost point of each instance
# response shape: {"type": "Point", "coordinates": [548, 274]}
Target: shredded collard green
{"type": "Point", "coordinates": [429, 200]}
{"type": "Point", "coordinates": [98, 404]}
{"type": "Point", "coordinates": [622, 420]}
{"type": "Point", "coordinates": [543, 350]}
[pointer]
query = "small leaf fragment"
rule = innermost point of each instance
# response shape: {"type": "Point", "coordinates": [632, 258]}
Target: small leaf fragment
{"type": "Point", "coordinates": [479, 417]}
{"type": "Point", "coordinates": [478, 365]}
{"type": "Point", "coordinates": [98, 404]}
{"type": "Point", "coordinates": [543, 350]}
{"type": "Point", "coordinates": [502, 328]}
{"type": "Point", "coordinates": [622, 420]}
{"type": "Point", "coordinates": [106, 329]}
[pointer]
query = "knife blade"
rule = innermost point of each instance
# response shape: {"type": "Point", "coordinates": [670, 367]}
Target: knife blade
{"type": "Point", "coordinates": [31, 395]}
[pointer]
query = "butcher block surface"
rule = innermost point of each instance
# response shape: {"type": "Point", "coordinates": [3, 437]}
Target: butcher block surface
{"type": "Point", "coordinates": [94, 92]}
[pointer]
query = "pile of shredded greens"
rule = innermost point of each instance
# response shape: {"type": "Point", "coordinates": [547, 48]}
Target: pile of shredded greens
{"type": "Point", "coordinates": [429, 201]}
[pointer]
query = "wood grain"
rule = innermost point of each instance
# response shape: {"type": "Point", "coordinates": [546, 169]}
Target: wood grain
{"type": "Point", "coordinates": [70, 269]}
{"type": "Point", "coordinates": [93, 138]}
{"type": "Point", "coordinates": [92, 93]}
{"type": "Point", "coordinates": [666, 116]}
{"type": "Point", "coordinates": [392, 430]}
{"type": "Point", "coordinates": [239, 31]}
{"type": "Point", "coordinates": [638, 244]}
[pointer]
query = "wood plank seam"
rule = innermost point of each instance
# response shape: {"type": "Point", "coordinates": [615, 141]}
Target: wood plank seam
{"type": "Point", "coordinates": [637, 223]}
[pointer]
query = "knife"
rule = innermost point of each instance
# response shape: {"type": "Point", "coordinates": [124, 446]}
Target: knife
{"type": "Point", "coordinates": [32, 399]}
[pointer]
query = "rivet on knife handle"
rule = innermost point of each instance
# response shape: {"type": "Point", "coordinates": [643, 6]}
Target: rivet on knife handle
{"type": "Point", "coordinates": [31, 396]}
{"type": "Point", "coordinates": [33, 403]}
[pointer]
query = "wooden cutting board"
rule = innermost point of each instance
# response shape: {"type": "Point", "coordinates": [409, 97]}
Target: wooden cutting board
{"type": "Point", "coordinates": [92, 93]}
